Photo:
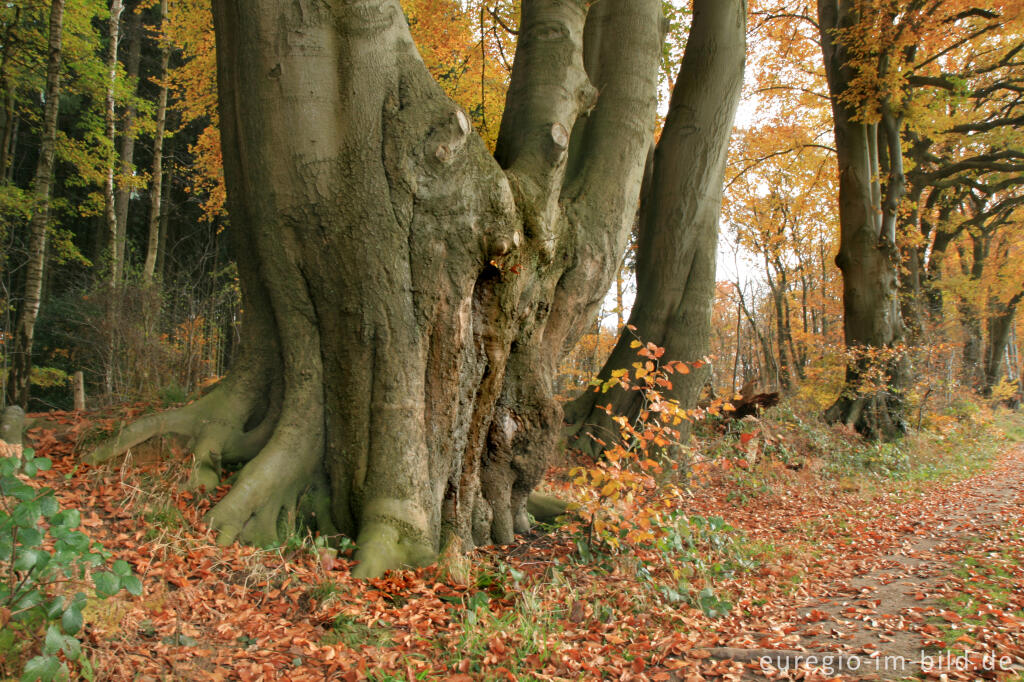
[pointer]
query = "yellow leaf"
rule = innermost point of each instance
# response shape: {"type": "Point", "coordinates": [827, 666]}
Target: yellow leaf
{"type": "Point", "coordinates": [635, 344]}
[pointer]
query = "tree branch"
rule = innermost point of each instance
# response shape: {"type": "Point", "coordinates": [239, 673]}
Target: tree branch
{"type": "Point", "coordinates": [757, 162]}
{"type": "Point", "coordinates": [622, 50]}
{"type": "Point", "coordinates": [549, 89]}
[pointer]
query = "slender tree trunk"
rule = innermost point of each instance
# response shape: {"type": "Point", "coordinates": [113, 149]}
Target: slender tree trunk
{"type": "Point", "coordinates": [115, 247]}
{"type": "Point", "coordinates": [408, 295]}
{"type": "Point", "coordinates": [28, 311]}
{"type": "Point", "coordinates": [1000, 326]}
{"type": "Point", "coordinates": [868, 259]}
{"type": "Point", "coordinates": [157, 174]}
{"type": "Point", "coordinates": [971, 313]}
{"type": "Point", "coordinates": [824, 292]}
{"type": "Point", "coordinates": [770, 362]}
{"type": "Point", "coordinates": [1013, 354]}
{"type": "Point", "coordinates": [122, 197]}
{"type": "Point", "coordinates": [785, 362]}
{"type": "Point", "coordinates": [973, 373]}
{"type": "Point", "coordinates": [785, 371]}
{"type": "Point", "coordinates": [7, 142]}
{"type": "Point", "coordinates": [912, 303]}
{"type": "Point", "coordinates": [165, 215]}
{"type": "Point", "coordinates": [678, 238]}
{"type": "Point", "coordinates": [7, 88]}
{"type": "Point", "coordinates": [739, 334]}
{"type": "Point", "coordinates": [620, 303]}
{"type": "Point", "coordinates": [931, 273]}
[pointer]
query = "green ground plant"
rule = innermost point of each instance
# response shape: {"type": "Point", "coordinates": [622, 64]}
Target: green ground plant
{"type": "Point", "coordinates": [44, 565]}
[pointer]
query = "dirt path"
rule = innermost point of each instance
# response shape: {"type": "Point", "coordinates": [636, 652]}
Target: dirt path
{"type": "Point", "coordinates": [880, 623]}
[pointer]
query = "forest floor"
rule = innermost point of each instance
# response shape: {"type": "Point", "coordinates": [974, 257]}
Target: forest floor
{"type": "Point", "coordinates": [823, 559]}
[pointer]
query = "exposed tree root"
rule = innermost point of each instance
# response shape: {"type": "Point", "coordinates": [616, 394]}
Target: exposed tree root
{"type": "Point", "coordinates": [878, 416]}
{"type": "Point", "coordinates": [261, 506]}
{"type": "Point", "coordinates": [215, 424]}
{"type": "Point", "coordinates": [381, 547]}
{"type": "Point", "coordinates": [545, 508]}
{"type": "Point", "coordinates": [282, 455]}
{"type": "Point", "coordinates": [264, 499]}
{"type": "Point", "coordinates": [589, 428]}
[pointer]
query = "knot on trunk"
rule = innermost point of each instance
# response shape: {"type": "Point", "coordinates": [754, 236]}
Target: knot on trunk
{"type": "Point", "coordinates": [450, 137]}
{"type": "Point", "coordinates": [503, 245]}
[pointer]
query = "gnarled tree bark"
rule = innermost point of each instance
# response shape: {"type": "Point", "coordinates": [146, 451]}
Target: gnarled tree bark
{"type": "Point", "coordinates": [408, 295]}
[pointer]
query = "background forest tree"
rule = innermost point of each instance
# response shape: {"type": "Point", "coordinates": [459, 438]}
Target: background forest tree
{"type": "Point", "coordinates": [951, 76]}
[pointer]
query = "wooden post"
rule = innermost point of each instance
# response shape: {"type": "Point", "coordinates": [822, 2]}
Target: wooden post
{"type": "Point", "coordinates": [12, 423]}
{"type": "Point", "coordinates": [78, 388]}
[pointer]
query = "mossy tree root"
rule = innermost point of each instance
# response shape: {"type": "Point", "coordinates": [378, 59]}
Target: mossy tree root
{"type": "Point", "coordinates": [261, 507]}
{"type": "Point", "coordinates": [215, 425]}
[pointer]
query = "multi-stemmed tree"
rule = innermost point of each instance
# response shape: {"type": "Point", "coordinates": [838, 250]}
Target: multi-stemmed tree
{"type": "Point", "coordinates": [407, 293]}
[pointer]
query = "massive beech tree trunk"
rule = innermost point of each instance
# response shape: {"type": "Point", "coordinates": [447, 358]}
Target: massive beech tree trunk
{"type": "Point", "coordinates": [868, 154]}
{"type": "Point", "coordinates": [678, 237]}
{"type": "Point", "coordinates": [408, 295]}
{"type": "Point", "coordinates": [28, 310]}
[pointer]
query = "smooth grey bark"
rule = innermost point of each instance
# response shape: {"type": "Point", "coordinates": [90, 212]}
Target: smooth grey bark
{"type": "Point", "coordinates": [157, 172]}
{"type": "Point", "coordinates": [407, 294]}
{"type": "Point", "coordinates": [24, 328]}
{"type": "Point", "coordinates": [867, 153]}
{"type": "Point", "coordinates": [679, 214]}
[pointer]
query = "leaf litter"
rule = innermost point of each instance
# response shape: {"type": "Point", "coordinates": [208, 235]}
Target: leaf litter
{"type": "Point", "coordinates": [931, 576]}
